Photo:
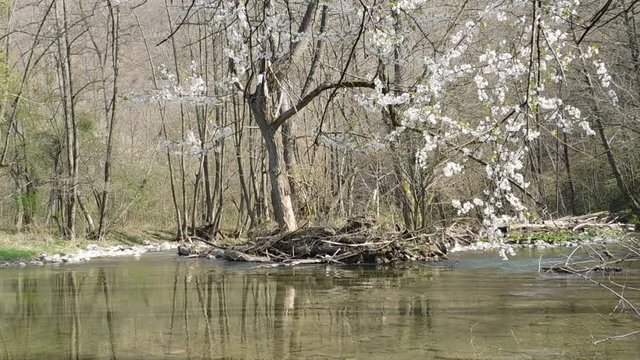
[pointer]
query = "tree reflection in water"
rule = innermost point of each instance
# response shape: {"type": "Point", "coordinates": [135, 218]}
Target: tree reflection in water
{"type": "Point", "coordinates": [206, 310]}
{"type": "Point", "coordinates": [273, 314]}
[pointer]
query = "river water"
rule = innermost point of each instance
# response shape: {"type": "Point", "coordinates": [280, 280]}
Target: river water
{"type": "Point", "coordinates": [164, 307]}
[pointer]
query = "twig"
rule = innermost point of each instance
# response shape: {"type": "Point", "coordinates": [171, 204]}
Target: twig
{"type": "Point", "coordinates": [367, 244]}
{"type": "Point", "coordinates": [616, 337]}
{"type": "Point", "coordinates": [539, 263]}
{"type": "Point", "coordinates": [620, 296]}
{"type": "Point", "coordinates": [571, 255]}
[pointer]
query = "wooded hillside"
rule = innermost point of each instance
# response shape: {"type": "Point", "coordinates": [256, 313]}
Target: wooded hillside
{"type": "Point", "coordinates": [224, 115]}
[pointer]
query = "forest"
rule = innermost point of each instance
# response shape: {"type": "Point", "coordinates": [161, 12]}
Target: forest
{"type": "Point", "coordinates": [225, 116]}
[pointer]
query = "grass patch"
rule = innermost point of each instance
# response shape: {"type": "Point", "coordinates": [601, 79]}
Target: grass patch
{"type": "Point", "coordinates": [550, 237]}
{"type": "Point", "coordinates": [11, 254]}
{"type": "Point", "coordinates": [33, 242]}
{"type": "Point", "coordinates": [564, 236]}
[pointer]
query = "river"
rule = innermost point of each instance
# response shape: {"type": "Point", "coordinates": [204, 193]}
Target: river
{"type": "Point", "coordinates": [164, 307]}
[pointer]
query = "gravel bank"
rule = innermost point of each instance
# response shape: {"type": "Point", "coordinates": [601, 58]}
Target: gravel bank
{"type": "Point", "coordinates": [93, 251]}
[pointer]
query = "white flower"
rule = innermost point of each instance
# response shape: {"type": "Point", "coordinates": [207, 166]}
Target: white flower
{"type": "Point", "coordinates": [613, 96]}
{"type": "Point", "coordinates": [603, 74]}
{"type": "Point", "coordinates": [452, 168]}
{"type": "Point", "coordinates": [586, 128]}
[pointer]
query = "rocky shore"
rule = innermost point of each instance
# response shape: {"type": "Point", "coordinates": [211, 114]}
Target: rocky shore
{"type": "Point", "coordinates": [92, 251]}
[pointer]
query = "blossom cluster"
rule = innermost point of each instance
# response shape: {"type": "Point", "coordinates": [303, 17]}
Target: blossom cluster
{"type": "Point", "coordinates": [193, 145]}
{"type": "Point", "coordinates": [516, 84]}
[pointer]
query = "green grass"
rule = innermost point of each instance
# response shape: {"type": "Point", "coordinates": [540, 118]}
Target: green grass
{"type": "Point", "coordinates": [563, 236]}
{"type": "Point", "coordinates": [28, 244]}
{"type": "Point", "coordinates": [550, 237]}
{"type": "Point", "coordinates": [11, 254]}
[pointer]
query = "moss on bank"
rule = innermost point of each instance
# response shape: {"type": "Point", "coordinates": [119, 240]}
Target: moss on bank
{"type": "Point", "coordinates": [11, 254]}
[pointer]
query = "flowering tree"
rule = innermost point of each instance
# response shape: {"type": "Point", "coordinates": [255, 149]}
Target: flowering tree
{"type": "Point", "coordinates": [265, 44]}
{"type": "Point", "coordinates": [511, 62]}
{"type": "Point", "coordinates": [472, 107]}
{"type": "Point", "coordinates": [518, 59]}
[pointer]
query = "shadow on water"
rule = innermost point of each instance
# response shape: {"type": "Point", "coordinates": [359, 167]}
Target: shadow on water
{"type": "Point", "coordinates": [176, 309]}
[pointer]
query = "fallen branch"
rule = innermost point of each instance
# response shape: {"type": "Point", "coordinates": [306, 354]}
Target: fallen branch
{"type": "Point", "coordinates": [616, 337]}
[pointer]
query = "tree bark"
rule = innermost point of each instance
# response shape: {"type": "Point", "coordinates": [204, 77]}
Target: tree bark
{"type": "Point", "coordinates": [280, 188]}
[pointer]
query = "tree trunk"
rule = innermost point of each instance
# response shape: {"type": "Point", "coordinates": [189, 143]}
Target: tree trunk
{"type": "Point", "coordinates": [567, 166]}
{"type": "Point", "coordinates": [66, 84]}
{"type": "Point", "coordinates": [289, 155]}
{"type": "Point", "coordinates": [238, 134]}
{"type": "Point", "coordinates": [280, 189]}
{"type": "Point", "coordinates": [278, 176]}
{"type": "Point", "coordinates": [114, 17]}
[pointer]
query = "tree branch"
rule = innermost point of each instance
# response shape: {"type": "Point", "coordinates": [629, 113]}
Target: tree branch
{"type": "Point", "coordinates": [315, 93]}
{"type": "Point", "coordinates": [184, 19]}
{"type": "Point", "coordinates": [594, 20]}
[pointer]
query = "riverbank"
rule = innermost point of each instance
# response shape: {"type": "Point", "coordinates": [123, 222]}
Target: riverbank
{"type": "Point", "coordinates": [23, 249]}
{"type": "Point", "coordinates": [37, 248]}
{"type": "Point", "coordinates": [92, 251]}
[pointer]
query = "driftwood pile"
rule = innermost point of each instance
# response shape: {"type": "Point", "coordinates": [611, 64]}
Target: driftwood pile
{"type": "Point", "coordinates": [358, 242]}
{"type": "Point", "coordinates": [599, 220]}
{"type": "Point", "coordinates": [361, 242]}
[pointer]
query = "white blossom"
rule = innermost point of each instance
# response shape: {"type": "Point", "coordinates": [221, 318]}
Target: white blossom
{"type": "Point", "coordinates": [586, 128]}
{"type": "Point", "coordinates": [452, 168]}
{"type": "Point", "coordinates": [603, 74]}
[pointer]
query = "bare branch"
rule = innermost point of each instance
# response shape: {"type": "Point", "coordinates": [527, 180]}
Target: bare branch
{"type": "Point", "coordinates": [315, 93]}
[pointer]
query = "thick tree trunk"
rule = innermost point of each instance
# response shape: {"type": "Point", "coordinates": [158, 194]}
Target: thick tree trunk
{"type": "Point", "coordinates": [280, 188]}
{"type": "Point", "coordinates": [289, 155]}
{"type": "Point", "coordinates": [278, 176]}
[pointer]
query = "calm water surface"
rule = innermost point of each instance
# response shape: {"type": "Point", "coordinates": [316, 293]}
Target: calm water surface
{"type": "Point", "coordinates": [162, 307]}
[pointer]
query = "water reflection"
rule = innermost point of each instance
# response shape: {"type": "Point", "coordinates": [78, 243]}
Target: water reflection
{"type": "Point", "coordinates": [275, 314]}
{"type": "Point", "coordinates": [174, 309]}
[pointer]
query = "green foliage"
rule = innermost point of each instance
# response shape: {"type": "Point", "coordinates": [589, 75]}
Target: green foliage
{"type": "Point", "coordinates": [606, 232]}
{"type": "Point", "coordinates": [27, 200]}
{"type": "Point", "coordinates": [5, 77]}
{"type": "Point", "coordinates": [5, 6]}
{"type": "Point", "coordinates": [10, 254]}
{"type": "Point", "coordinates": [550, 237]}
{"type": "Point", "coordinates": [86, 122]}
{"type": "Point", "coordinates": [563, 236]}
